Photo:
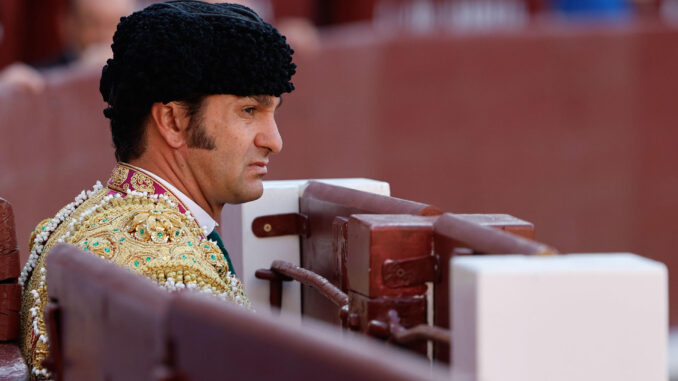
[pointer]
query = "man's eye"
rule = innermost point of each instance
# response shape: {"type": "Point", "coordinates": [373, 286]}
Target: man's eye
{"type": "Point", "coordinates": [249, 110]}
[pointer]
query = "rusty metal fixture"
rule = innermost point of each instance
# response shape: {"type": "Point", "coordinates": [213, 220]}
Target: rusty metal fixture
{"type": "Point", "coordinates": [312, 279]}
{"type": "Point", "coordinates": [410, 271]}
{"type": "Point", "coordinates": [280, 224]}
{"type": "Point", "coordinates": [379, 329]}
{"type": "Point", "coordinates": [395, 332]}
{"type": "Point", "coordinates": [403, 335]}
{"type": "Point", "coordinates": [275, 285]}
{"type": "Point", "coordinates": [354, 322]}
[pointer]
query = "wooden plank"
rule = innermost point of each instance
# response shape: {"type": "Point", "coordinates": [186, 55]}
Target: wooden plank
{"type": "Point", "coordinates": [216, 340]}
{"type": "Point", "coordinates": [12, 365]}
{"type": "Point", "coordinates": [7, 230]}
{"type": "Point", "coordinates": [112, 320]}
{"type": "Point", "coordinates": [9, 266]}
{"type": "Point", "coordinates": [10, 291]}
{"type": "Point", "coordinates": [10, 305]}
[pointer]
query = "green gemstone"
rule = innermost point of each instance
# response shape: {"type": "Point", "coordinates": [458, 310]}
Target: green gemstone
{"type": "Point", "coordinates": [190, 243]}
{"type": "Point", "coordinates": [43, 228]}
{"type": "Point", "coordinates": [104, 220]}
{"type": "Point", "coordinates": [136, 263]}
{"type": "Point", "coordinates": [107, 250]}
{"type": "Point", "coordinates": [115, 230]}
{"type": "Point", "coordinates": [155, 211]}
{"type": "Point", "coordinates": [207, 247]}
{"type": "Point", "coordinates": [85, 242]}
{"type": "Point", "coordinates": [86, 248]}
{"type": "Point", "coordinates": [193, 260]}
{"type": "Point", "coordinates": [176, 233]}
{"type": "Point", "coordinates": [96, 243]}
{"type": "Point", "coordinates": [183, 256]}
{"type": "Point", "coordinates": [148, 259]}
{"type": "Point", "coordinates": [159, 235]}
{"type": "Point", "coordinates": [141, 231]}
{"type": "Point", "coordinates": [214, 258]}
{"type": "Point", "coordinates": [219, 271]}
{"type": "Point", "coordinates": [122, 239]}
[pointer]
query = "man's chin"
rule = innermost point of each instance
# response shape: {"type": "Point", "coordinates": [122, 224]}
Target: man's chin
{"type": "Point", "coordinates": [253, 192]}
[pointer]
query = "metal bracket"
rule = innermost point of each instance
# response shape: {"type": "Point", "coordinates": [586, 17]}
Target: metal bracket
{"type": "Point", "coordinates": [275, 225]}
{"type": "Point", "coordinates": [410, 271]}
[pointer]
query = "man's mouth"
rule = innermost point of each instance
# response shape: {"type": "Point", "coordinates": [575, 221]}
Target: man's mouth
{"type": "Point", "coordinates": [260, 167]}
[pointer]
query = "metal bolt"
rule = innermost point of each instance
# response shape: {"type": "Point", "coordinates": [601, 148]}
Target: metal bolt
{"type": "Point", "coordinates": [268, 228]}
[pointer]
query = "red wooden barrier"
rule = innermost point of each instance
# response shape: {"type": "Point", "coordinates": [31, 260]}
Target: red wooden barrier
{"type": "Point", "coordinates": [115, 325]}
{"type": "Point", "coordinates": [217, 340]}
{"type": "Point", "coordinates": [12, 365]}
{"type": "Point", "coordinates": [111, 322]}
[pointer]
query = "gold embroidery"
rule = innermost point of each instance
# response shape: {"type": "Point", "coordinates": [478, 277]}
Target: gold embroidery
{"type": "Point", "coordinates": [180, 257]}
{"type": "Point", "coordinates": [142, 183]}
{"type": "Point", "coordinates": [119, 176]}
{"type": "Point", "coordinates": [172, 198]}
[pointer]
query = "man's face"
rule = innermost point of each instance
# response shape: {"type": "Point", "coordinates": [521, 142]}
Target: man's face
{"type": "Point", "coordinates": [243, 134]}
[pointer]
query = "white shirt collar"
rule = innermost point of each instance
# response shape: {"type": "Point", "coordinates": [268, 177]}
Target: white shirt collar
{"type": "Point", "coordinates": [201, 216]}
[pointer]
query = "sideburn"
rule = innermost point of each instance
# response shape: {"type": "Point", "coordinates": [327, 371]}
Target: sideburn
{"type": "Point", "coordinates": [197, 136]}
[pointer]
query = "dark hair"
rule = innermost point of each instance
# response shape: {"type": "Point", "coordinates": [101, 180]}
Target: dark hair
{"type": "Point", "coordinates": [171, 51]}
{"type": "Point", "coordinates": [197, 137]}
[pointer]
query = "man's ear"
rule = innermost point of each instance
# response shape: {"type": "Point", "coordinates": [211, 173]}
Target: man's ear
{"type": "Point", "coordinates": [171, 121]}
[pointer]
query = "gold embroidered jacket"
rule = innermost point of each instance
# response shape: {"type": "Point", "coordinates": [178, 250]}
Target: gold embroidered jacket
{"type": "Point", "coordinates": [136, 223]}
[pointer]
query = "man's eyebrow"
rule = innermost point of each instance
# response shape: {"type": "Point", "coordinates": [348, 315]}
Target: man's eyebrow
{"type": "Point", "coordinates": [266, 100]}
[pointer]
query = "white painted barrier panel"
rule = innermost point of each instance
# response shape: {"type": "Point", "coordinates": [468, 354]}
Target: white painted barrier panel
{"type": "Point", "coordinates": [570, 317]}
{"type": "Point", "coordinates": [250, 253]}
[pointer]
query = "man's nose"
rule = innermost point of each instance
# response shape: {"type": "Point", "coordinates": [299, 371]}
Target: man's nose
{"type": "Point", "coordinates": [269, 136]}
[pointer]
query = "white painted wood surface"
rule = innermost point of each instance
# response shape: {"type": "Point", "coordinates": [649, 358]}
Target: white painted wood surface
{"type": "Point", "coordinates": [250, 253]}
{"type": "Point", "coordinates": [570, 317]}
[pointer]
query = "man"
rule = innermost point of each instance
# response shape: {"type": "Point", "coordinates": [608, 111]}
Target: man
{"type": "Point", "coordinates": [192, 91]}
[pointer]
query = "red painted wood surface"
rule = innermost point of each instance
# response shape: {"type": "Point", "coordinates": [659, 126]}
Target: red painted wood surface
{"type": "Point", "coordinates": [8, 244]}
{"type": "Point", "coordinates": [120, 326]}
{"type": "Point", "coordinates": [12, 366]}
{"type": "Point", "coordinates": [10, 291]}
{"type": "Point", "coordinates": [10, 305]}
{"type": "Point", "coordinates": [375, 239]}
{"type": "Point", "coordinates": [375, 242]}
{"type": "Point", "coordinates": [322, 203]}
{"type": "Point", "coordinates": [213, 339]}
{"type": "Point", "coordinates": [112, 321]}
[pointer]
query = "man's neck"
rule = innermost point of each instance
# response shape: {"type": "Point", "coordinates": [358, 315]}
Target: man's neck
{"type": "Point", "coordinates": [182, 180]}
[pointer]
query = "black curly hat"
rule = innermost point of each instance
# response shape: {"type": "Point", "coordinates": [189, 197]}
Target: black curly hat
{"type": "Point", "coordinates": [182, 48]}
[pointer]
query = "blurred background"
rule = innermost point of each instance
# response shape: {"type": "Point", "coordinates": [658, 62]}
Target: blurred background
{"type": "Point", "coordinates": [559, 112]}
